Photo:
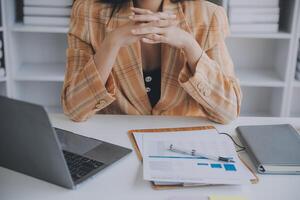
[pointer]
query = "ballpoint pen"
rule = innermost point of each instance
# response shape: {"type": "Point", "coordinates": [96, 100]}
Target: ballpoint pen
{"type": "Point", "coordinates": [196, 154]}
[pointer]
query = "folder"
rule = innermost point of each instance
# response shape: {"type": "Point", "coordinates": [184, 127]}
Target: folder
{"type": "Point", "coordinates": [168, 130]}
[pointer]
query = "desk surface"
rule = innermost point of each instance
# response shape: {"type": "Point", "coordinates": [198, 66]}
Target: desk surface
{"type": "Point", "coordinates": [123, 180]}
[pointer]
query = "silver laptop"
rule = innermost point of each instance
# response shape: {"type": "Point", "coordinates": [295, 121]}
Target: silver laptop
{"type": "Point", "coordinates": [30, 145]}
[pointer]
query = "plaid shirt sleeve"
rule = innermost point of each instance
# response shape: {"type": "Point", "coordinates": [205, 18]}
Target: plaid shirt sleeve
{"type": "Point", "coordinates": [213, 84]}
{"type": "Point", "coordinates": [84, 93]}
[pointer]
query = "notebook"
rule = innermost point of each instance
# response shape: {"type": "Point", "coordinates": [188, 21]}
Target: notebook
{"type": "Point", "coordinates": [274, 149]}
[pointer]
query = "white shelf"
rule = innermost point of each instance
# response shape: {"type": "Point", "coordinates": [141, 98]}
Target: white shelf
{"type": "Point", "coordinates": [2, 79]}
{"type": "Point", "coordinates": [41, 72]}
{"type": "Point", "coordinates": [258, 77]}
{"type": "Point", "coordinates": [19, 27]}
{"type": "Point", "coordinates": [295, 115]}
{"type": "Point", "coordinates": [295, 107]}
{"type": "Point", "coordinates": [42, 93]}
{"type": "Point", "coordinates": [280, 35]}
{"type": "Point", "coordinates": [256, 114]}
{"type": "Point", "coordinates": [262, 101]}
{"type": "Point", "coordinates": [296, 83]}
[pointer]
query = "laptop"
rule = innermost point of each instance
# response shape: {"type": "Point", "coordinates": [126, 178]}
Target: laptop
{"type": "Point", "coordinates": [30, 145]}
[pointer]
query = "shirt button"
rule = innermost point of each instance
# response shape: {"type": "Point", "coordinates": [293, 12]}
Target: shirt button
{"type": "Point", "coordinates": [206, 92]}
{"type": "Point", "coordinates": [148, 79]}
{"type": "Point", "coordinates": [200, 86]}
{"type": "Point", "coordinates": [148, 89]}
{"type": "Point", "coordinates": [101, 104]}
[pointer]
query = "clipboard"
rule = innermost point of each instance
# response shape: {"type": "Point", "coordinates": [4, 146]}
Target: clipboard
{"type": "Point", "coordinates": [161, 130]}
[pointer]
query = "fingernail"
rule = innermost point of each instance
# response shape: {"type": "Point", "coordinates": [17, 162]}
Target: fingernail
{"type": "Point", "coordinates": [133, 31]}
{"type": "Point", "coordinates": [131, 17]}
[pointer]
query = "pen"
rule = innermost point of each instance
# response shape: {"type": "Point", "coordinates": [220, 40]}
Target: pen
{"type": "Point", "coordinates": [196, 154]}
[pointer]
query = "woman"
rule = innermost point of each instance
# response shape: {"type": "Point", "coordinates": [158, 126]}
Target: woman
{"type": "Point", "coordinates": [149, 57]}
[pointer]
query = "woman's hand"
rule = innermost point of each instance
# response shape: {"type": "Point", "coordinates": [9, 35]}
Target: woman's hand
{"type": "Point", "coordinates": [122, 36]}
{"type": "Point", "coordinates": [162, 31]}
{"type": "Point", "coordinates": [161, 27]}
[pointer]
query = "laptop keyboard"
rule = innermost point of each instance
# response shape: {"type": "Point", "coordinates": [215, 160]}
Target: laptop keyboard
{"type": "Point", "coordinates": [80, 166]}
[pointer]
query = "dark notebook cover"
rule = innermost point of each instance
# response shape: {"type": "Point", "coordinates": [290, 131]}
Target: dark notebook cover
{"type": "Point", "coordinates": [271, 145]}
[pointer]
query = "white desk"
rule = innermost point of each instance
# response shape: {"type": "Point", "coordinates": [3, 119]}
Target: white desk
{"type": "Point", "coordinates": [124, 179]}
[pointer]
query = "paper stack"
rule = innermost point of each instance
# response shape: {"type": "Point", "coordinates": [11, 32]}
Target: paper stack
{"type": "Point", "coordinates": [164, 167]}
{"type": "Point", "coordinates": [47, 12]}
{"type": "Point", "coordinates": [255, 16]}
{"type": "Point", "coordinates": [297, 75]}
{"type": "Point", "coordinates": [2, 70]}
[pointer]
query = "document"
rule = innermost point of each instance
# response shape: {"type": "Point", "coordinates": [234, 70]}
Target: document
{"type": "Point", "coordinates": [139, 136]}
{"type": "Point", "coordinates": [162, 165]}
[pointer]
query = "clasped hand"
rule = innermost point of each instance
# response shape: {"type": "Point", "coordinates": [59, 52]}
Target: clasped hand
{"type": "Point", "coordinates": [153, 28]}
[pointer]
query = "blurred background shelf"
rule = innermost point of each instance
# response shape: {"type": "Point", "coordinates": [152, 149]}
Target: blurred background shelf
{"type": "Point", "coordinates": [297, 84]}
{"type": "Point", "coordinates": [295, 107]}
{"type": "Point", "coordinates": [20, 27]}
{"type": "Point", "coordinates": [257, 77]}
{"type": "Point", "coordinates": [41, 72]}
{"type": "Point", "coordinates": [262, 101]}
{"type": "Point", "coordinates": [40, 92]}
{"type": "Point", "coordinates": [280, 35]}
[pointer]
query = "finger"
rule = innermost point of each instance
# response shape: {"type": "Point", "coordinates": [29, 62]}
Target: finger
{"type": "Point", "coordinates": [165, 15]}
{"type": "Point", "coordinates": [156, 38]}
{"type": "Point", "coordinates": [144, 18]}
{"type": "Point", "coordinates": [140, 10]}
{"type": "Point", "coordinates": [163, 23]}
{"type": "Point", "coordinates": [147, 30]}
{"type": "Point", "coordinates": [148, 41]}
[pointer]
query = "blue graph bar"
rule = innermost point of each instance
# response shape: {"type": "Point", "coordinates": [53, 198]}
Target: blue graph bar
{"type": "Point", "coordinates": [229, 167]}
{"type": "Point", "coordinates": [216, 165]}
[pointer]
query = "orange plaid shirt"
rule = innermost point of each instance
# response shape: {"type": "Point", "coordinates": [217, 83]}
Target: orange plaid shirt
{"type": "Point", "coordinates": [211, 92]}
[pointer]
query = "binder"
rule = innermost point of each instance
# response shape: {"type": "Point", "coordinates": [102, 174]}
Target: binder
{"type": "Point", "coordinates": [161, 130]}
